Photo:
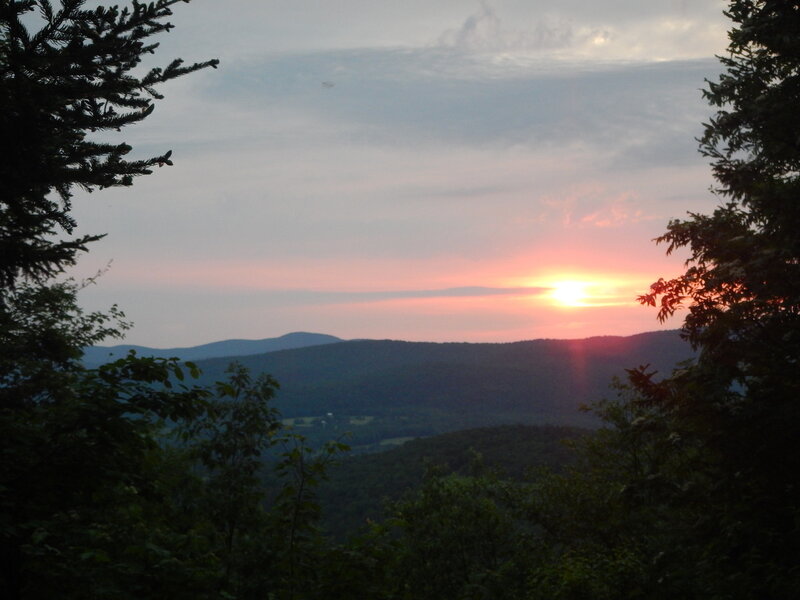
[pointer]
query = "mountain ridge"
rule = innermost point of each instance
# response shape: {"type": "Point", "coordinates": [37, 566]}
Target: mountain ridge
{"type": "Point", "coordinates": [415, 389]}
{"type": "Point", "coordinates": [97, 355]}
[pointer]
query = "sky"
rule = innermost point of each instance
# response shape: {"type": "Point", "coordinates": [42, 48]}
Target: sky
{"type": "Point", "coordinates": [404, 169]}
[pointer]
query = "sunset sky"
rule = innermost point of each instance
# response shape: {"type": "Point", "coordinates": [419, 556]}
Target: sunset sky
{"type": "Point", "coordinates": [442, 171]}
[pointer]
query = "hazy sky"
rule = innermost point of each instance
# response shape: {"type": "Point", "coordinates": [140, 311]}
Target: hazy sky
{"type": "Point", "coordinates": [410, 169]}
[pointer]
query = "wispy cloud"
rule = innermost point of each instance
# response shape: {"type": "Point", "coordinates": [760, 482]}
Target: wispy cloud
{"type": "Point", "coordinates": [323, 297]}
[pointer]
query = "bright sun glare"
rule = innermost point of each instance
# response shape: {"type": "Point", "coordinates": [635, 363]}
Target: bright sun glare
{"type": "Point", "coordinates": [569, 293]}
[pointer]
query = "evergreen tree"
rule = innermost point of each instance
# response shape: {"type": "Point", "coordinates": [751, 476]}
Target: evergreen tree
{"type": "Point", "coordinates": [83, 512]}
{"type": "Point", "coordinates": [122, 481]}
{"type": "Point", "coordinates": [65, 75]}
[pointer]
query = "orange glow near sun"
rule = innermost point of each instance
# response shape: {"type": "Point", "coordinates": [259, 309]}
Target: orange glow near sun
{"type": "Point", "coordinates": [570, 293]}
{"type": "Point", "coordinates": [582, 290]}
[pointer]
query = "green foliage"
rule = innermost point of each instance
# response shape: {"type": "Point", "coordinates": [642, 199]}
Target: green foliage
{"type": "Point", "coordinates": [264, 539]}
{"type": "Point", "coordinates": [83, 507]}
{"type": "Point", "coordinates": [359, 488]}
{"type": "Point", "coordinates": [461, 537]}
{"type": "Point", "coordinates": [299, 548]}
{"type": "Point", "coordinates": [613, 521]}
{"type": "Point", "coordinates": [42, 331]}
{"type": "Point", "coordinates": [227, 444]}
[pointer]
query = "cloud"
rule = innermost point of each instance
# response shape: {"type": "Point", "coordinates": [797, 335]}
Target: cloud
{"type": "Point", "coordinates": [433, 96]}
{"type": "Point", "coordinates": [330, 297]}
{"type": "Point", "coordinates": [527, 136]}
{"type": "Point", "coordinates": [394, 161]}
{"type": "Point", "coordinates": [599, 204]}
{"type": "Point", "coordinates": [483, 31]}
{"type": "Point", "coordinates": [618, 213]}
{"type": "Point", "coordinates": [620, 30]}
{"type": "Point", "coordinates": [321, 297]}
{"type": "Point", "coordinates": [630, 29]}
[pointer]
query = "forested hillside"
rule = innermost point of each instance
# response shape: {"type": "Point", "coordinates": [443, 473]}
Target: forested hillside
{"type": "Point", "coordinates": [361, 488]}
{"type": "Point", "coordinates": [379, 390]}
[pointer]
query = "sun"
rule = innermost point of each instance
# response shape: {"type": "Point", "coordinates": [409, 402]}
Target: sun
{"type": "Point", "coordinates": [569, 293]}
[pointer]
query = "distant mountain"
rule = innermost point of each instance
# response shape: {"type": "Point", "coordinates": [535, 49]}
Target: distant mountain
{"type": "Point", "coordinates": [97, 355]}
{"type": "Point", "coordinates": [381, 389]}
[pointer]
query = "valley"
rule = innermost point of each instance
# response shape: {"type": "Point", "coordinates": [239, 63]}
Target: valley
{"type": "Point", "coordinates": [375, 394]}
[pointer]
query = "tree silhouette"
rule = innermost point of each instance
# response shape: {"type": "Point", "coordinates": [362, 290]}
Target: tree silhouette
{"type": "Point", "coordinates": [64, 76]}
{"type": "Point", "coordinates": [738, 405]}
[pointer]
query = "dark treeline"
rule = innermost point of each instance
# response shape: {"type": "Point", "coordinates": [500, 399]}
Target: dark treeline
{"type": "Point", "coordinates": [363, 488]}
{"type": "Point", "coordinates": [131, 481]}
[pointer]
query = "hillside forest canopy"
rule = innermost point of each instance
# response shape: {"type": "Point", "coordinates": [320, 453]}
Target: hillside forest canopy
{"type": "Point", "coordinates": [131, 480]}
